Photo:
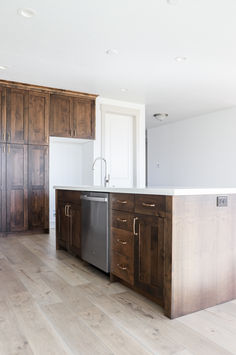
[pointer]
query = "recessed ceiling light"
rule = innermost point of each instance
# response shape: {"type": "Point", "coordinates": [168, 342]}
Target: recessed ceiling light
{"type": "Point", "coordinates": [160, 116]}
{"type": "Point", "coordinates": [123, 90]}
{"type": "Point", "coordinates": [3, 67]}
{"type": "Point", "coordinates": [180, 59]}
{"type": "Point", "coordinates": [111, 51]}
{"type": "Point", "coordinates": [27, 13]}
{"type": "Point", "coordinates": [172, 2]}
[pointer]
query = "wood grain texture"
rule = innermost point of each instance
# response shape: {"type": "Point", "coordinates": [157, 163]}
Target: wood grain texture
{"type": "Point", "coordinates": [2, 187]}
{"type": "Point", "coordinates": [3, 116]}
{"type": "Point", "coordinates": [39, 106]}
{"type": "Point", "coordinates": [17, 116]}
{"type": "Point", "coordinates": [149, 256]}
{"type": "Point", "coordinates": [84, 118]}
{"type": "Point", "coordinates": [122, 202]}
{"type": "Point", "coordinates": [61, 116]}
{"type": "Point", "coordinates": [53, 303]}
{"type": "Point", "coordinates": [203, 253]}
{"type": "Point", "coordinates": [17, 188]}
{"type": "Point", "coordinates": [38, 187]}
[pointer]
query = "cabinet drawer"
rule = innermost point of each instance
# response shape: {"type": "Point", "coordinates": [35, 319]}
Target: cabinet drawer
{"type": "Point", "coordinates": [68, 196]}
{"type": "Point", "coordinates": [149, 204]}
{"type": "Point", "coordinates": [123, 267]}
{"type": "Point", "coordinates": [122, 202]}
{"type": "Point", "coordinates": [122, 242]}
{"type": "Point", "coordinates": [122, 220]}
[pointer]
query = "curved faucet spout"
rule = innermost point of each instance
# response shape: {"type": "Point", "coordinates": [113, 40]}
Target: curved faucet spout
{"type": "Point", "coordinates": [106, 177]}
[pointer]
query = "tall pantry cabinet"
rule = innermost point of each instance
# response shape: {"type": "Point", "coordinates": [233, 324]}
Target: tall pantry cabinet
{"type": "Point", "coordinates": [25, 115]}
{"type": "Point", "coordinates": [24, 160]}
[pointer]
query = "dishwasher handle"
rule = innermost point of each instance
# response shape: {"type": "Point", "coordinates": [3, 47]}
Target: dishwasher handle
{"type": "Point", "coordinates": [94, 199]}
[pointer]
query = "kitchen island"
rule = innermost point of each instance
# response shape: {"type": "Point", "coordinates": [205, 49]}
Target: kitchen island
{"type": "Point", "coordinates": [176, 246]}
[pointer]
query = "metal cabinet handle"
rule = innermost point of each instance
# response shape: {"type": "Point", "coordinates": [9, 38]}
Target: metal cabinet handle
{"type": "Point", "coordinates": [121, 267]}
{"type": "Point", "coordinates": [8, 148]}
{"type": "Point", "coordinates": [134, 225]}
{"type": "Point", "coordinates": [121, 220]}
{"type": "Point", "coordinates": [3, 137]}
{"type": "Point", "coordinates": [4, 149]}
{"type": "Point", "coordinates": [75, 133]}
{"type": "Point", "coordinates": [66, 210]}
{"type": "Point", "coordinates": [123, 202]}
{"type": "Point", "coordinates": [148, 204]}
{"type": "Point", "coordinates": [121, 241]}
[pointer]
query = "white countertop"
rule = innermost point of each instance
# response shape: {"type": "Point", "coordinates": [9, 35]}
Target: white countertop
{"type": "Point", "coordinates": [165, 190]}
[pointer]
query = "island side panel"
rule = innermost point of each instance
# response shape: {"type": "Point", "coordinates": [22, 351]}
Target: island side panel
{"type": "Point", "coordinates": [168, 257]}
{"type": "Point", "coordinates": [203, 253]}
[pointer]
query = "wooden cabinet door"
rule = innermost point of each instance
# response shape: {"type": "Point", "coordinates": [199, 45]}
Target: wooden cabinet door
{"type": "Point", "coordinates": [38, 118]}
{"type": "Point", "coordinates": [75, 225]}
{"type": "Point", "coordinates": [62, 226]}
{"type": "Point", "coordinates": [17, 116]}
{"type": "Point", "coordinates": [3, 122]}
{"type": "Point", "coordinates": [84, 118]}
{"type": "Point", "coordinates": [2, 187]}
{"type": "Point", "coordinates": [38, 187]}
{"type": "Point", "coordinates": [17, 188]}
{"type": "Point", "coordinates": [149, 255]}
{"type": "Point", "coordinates": [61, 116]}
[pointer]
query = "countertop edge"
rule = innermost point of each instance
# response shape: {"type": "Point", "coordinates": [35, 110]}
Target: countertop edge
{"type": "Point", "coordinates": [153, 191]}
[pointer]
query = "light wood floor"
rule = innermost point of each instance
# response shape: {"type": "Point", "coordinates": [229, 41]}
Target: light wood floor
{"type": "Point", "coordinates": [52, 303]}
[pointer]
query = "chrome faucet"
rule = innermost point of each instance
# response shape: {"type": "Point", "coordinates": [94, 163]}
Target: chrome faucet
{"type": "Point", "coordinates": [107, 176]}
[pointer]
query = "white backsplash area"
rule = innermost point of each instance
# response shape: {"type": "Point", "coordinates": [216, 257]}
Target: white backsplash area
{"type": "Point", "coordinates": [70, 163]}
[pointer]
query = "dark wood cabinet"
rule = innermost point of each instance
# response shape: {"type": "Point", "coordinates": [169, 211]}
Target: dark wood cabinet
{"type": "Point", "coordinates": [38, 118]}
{"type": "Point", "coordinates": [72, 117]}
{"type": "Point", "coordinates": [62, 225]}
{"type": "Point", "coordinates": [74, 212]}
{"type": "Point", "coordinates": [17, 187]}
{"type": "Point", "coordinates": [137, 242]}
{"type": "Point", "coordinates": [3, 122]}
{"type": "Point", "coordinates": [149, 255]}
{"type": "Point", "coordinates": [68, 221]}
{"type": "Point", "coordinates": [61, 124]}
{"type": "Point", "coordinates": [38, 187]}
{"type": "Point", "coordinates": [17, 106]}
{"type": "Point", "coordinates": [29, 114]}
{"type": "Point", "coordinates": [2, 187]}
{"type": "Point", "coordinates": [84, 118]}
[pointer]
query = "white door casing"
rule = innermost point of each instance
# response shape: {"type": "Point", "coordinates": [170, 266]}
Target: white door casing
{"type": "Point", "coordinates": [118, 148]}
{"type": "Point", "coordinates": [120, 138]}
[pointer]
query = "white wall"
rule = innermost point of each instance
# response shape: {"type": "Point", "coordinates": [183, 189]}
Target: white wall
{"type": "Point", "coordinates": [196, 152]}
{"type": "Point", "coordinates": [70, 162]}
{"type": "Point", "coordinates": [129, 108]}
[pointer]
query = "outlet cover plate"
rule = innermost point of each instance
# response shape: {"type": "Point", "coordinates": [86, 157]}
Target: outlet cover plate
{"type": "Point", "coordinates": [222, 201]}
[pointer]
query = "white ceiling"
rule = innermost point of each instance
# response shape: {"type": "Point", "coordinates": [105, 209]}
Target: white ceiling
{"type": "Point", "coordinates": [64, 46]}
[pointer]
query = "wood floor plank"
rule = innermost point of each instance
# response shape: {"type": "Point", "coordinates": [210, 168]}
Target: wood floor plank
{"type": "Point", "coordinates": [41, 336]}
{"type": "Point", "coordinates": [38, 288]}
{"type": "Point", "coordinates": [74, 331]}
{"type": "Point", "coordinates": [69, 273]}
{"type": "Point", "coordinates": [12, 341]}
{"type": "Point", "coordinates": [9, 282]}
{"type": "Point", "coordinates": [114, 337]}
{"type": "Point", "coordinates": [53, 303]}
{"type": "Point", "coordinates": [208, 324]}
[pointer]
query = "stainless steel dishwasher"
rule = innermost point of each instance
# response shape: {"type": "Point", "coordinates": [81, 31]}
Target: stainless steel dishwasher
{"type": "Point", "coordinates": [95, 229]}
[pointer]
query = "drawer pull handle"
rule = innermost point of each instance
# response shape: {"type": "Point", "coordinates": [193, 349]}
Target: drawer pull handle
{"type": "Point", "coordinates": [121, 267]}
{"type": "Point", "coordinates": [121, 241]}
{"type": "Point", "coordinates": [134, 225]}
{"type": "Point", "coordinates": [148, 204]}
{"type": "Point", "coordinates": [123, 202]}
{"type": "Point", "coordinates": [121, 220]}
